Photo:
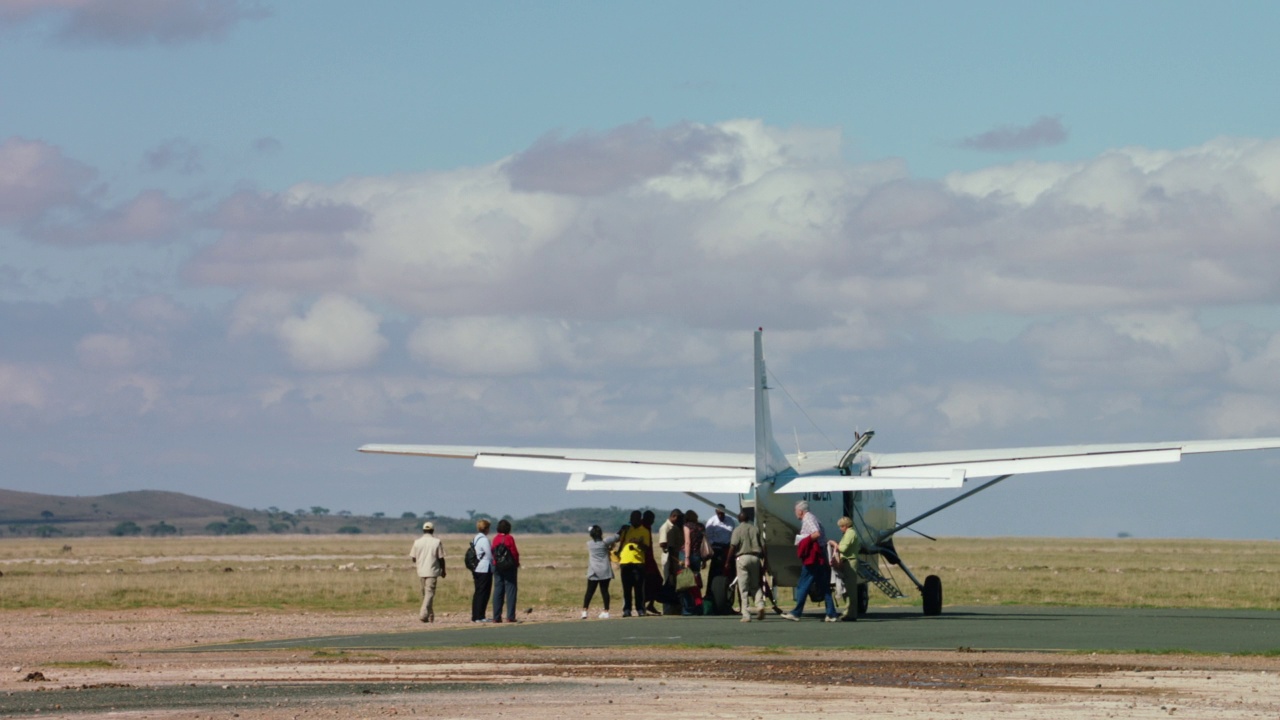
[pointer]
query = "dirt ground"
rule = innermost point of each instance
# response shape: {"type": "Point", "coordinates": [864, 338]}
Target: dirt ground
{"type": "Point", "coordinates": [126, 664]}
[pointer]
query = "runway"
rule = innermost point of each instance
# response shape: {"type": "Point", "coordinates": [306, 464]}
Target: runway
{"type": "Point", "coordinates": [975, 628]}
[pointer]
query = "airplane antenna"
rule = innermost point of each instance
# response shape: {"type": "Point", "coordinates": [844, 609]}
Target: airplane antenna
{"type": "Point", "coordinates": [780, 386]}
{"type": "Point", "coordinates": [799, 453]}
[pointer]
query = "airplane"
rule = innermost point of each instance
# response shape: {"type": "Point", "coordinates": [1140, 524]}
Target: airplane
{"type": "Point", "coordinates": [856, 483]}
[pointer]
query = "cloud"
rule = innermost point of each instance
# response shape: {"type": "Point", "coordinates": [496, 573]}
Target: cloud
{"type": "Point", "coordinates": [150, 216]}
{"type": "Point", "coordinates": [1129, 350]}
{"type": "Point", "coordinates": [336, 334]}
{"type": "Point", "coordinates": [23, 385]}
{"type": "Point", "coordinates": [994, 406]}
{"type": "Point", "coordinates": [115, 351]}
{"type": "Point", "coordinates": [36, 178]}
{"type": "Point", "coordinates": [52, 198]}
{"type": "Point", "coordinates": [274, 241]}
{"type": "Point", "coordinates": [157, 311]}
{"type": "Point", "coordinates": [599, 163]}
{"type": "Point", "coordinates": [486, 345]}
{"type": "Point", "coordinates": [177, 154]}
{"type": "Point", "coordinates": [1046, 131]}
{"type": "Point", "coordinates": [135, 22]}
{"type": "Point", "coordinates": [794, 237]}
{"type": "Point", "coordinates": [259, 313]}
{"type": "Point", "coordinates": [266, 145]}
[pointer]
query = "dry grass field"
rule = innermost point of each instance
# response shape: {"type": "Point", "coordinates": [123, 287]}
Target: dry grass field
{"type": "Point", "coordinates": [354, 573]}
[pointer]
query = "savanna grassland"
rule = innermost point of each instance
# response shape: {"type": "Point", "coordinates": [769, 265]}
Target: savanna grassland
{"type": "Point", "coordinates": [354, 573]}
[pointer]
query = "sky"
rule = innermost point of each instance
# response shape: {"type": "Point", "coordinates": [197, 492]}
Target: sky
{"type": "Point", "coordinates": [241, 238]}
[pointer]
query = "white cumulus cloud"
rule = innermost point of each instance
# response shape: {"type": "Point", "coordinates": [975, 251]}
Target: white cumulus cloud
{"type": "Point", "coordinates": [336, 334]}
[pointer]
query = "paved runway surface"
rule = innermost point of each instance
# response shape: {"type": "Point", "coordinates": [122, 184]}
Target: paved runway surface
{"type": "Point", "coordinates": [985, 628]}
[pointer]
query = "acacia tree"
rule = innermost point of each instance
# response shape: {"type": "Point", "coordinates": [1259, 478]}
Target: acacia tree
{"type": "Point", "coordinates": [162, 528]}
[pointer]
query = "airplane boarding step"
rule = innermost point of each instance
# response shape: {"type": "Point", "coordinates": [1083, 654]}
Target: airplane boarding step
{"type": "Point", "coordinates": [873, 576]}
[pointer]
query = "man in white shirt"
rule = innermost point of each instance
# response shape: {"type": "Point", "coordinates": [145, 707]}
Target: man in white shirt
{"type": "Point", "coordinates": [428, 554]}
{"type": "Point", "coordinates": [719, 529]}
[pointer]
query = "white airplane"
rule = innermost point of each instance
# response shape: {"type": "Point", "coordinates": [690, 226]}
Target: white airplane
{"type": "Point", "coordinates": [857, 483]}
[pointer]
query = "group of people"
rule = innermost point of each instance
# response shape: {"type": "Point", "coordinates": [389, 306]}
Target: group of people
{"type": "Point", "coordinates": [494, 566]}
{"type": "Point", "coordinates": [663, 566]}
{"type": "Point", "coordinates": [652, 563]}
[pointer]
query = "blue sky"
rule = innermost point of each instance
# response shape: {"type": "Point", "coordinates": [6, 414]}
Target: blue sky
{"type": "Point", "coordinates": [239, 239]}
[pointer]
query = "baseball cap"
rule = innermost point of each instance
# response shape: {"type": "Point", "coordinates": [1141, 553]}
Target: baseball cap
{"type": "Point", "coordinates": [428, 525]}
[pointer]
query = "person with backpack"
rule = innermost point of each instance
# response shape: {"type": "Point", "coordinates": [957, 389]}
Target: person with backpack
{"type": "Point", "coordinates": [480, 562]}
{"type": "Point", "coordinates": [506, 568]}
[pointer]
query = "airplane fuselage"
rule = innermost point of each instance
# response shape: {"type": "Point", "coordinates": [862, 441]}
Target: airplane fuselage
{"type": "Point", "coordinates": [873, 512]}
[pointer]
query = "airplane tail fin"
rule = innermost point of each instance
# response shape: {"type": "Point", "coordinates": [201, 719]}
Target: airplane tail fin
{"type": "Point", "coordinates": [770, 460]}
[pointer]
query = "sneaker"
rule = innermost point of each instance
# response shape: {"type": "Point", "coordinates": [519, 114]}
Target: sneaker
{"type": "Point", "coordinates": [584, 614]}
{"type": "Point", "coordinates": [627, 613]}
{"type": "Point", "coordinates": [789, 616]}
{"type": "Point", "coordinates": [745, 618]}
{"type": "Point", "coordinates": [604, 615]}
{"type": "Point", "coordinates": [831, 618]}
{"type": "Point", "coordinates": [641, 613]}
{"type": "Point", "coordinates": [497, 620]}
{"type": "Point", "coordinates": [760, 614]}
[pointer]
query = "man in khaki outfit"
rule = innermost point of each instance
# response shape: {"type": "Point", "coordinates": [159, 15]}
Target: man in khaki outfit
{"type": "Point", "coordinates": [747, 546]}
{"type": "Point", "coordinates": [428, 554]}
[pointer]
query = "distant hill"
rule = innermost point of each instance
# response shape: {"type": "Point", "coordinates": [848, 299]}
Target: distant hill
{"type": "Point", "coordinates": [23, 507]}
{"type": "Point", "coordinates": [159, 512]}
{"type": "Point", "coordinates": [573, 520]}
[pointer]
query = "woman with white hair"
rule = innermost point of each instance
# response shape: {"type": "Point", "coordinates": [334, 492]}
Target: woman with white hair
{"type": "Point", "coordinates": [844, 556]}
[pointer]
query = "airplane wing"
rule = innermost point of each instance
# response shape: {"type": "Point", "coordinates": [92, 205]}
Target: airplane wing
{"type": "Point", "coordinates": [594, 469]}
{"type": "Point", "coordinates": [954, 467]}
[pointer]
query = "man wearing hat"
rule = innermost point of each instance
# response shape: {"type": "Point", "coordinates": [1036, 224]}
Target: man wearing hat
{"type": "Point", "coordinates": [428, 554]}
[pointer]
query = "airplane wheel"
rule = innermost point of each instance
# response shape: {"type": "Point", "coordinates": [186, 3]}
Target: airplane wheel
{"type": "Point", "coordinates": [863, 600]}
{"type": "Point", "coordinates": [932, 594]}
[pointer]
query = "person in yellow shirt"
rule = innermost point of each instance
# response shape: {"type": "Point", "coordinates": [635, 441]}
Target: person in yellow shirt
{"type": "Point", "coordinates": [633, 541]}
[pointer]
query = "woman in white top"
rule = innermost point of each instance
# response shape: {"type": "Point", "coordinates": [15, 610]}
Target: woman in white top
{"type": "Point", "coordinates": [483, 574]}
{"type": "Point", "coordinates": [599, 569]}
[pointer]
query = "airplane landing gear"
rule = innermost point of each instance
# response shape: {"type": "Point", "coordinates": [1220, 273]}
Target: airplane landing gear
{"type": "Point", "coordinates": [931, 592]}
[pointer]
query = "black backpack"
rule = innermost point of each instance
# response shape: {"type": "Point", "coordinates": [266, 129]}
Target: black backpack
{"type": "Point", "coordinates": [471, 559]}
{"type": "Point", "coordinates": [502, 558]}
